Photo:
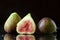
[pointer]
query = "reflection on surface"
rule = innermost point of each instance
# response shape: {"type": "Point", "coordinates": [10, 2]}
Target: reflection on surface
{"type": "Point", "coordinates": [48, 37]}
{"type": "Point", "coordinates": [9, 37]}
{"type": "Point", "coordinates": [25, 37]}
{"type": "Point", "coordinates": [29, 37]}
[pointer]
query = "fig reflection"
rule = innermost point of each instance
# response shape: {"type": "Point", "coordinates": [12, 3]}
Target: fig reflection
{"type": "Point", "coordinates": [48, 37]}
{"type": "Point", "coordinates": [9, 37]}
{"type": "Point", "coordinates": [25, 37]}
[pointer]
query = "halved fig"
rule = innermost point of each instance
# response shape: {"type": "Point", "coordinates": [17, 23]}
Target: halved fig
{"type": "Point", "coordinates": [11, 22]}
{"type": "Point", "coordinates": [26, 25]}
{"type": "Point", "coordinates": [25, 37]}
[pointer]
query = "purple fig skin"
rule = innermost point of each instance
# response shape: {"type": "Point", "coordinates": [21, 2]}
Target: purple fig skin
{"type": "Point", "coordinates": [47, 25]}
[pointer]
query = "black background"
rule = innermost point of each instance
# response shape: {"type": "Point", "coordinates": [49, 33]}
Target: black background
{"type": "Point", "coordinates": [37, 8]}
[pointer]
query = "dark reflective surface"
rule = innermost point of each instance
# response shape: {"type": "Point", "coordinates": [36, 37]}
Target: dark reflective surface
{"type": "Point", "coordinates": [37, 36]}
{"type": "Point", "coordinates": [9, 37]}
{"type": "Point", "coordinates": [34, 37]}
{"type": "Point", "coordinates": [48, 37]}
{"type": "Point", "coordinates": [25, 37]}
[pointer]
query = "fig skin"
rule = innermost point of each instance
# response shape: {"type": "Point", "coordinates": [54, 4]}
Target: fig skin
{"type": "Point", "coordinates": [20, 23]}
{"type": "Point", "coordinates": [47, 25]}
{"type": "Point", "coordinates": [25, 37]}
{"type": "Point", "coordinates": [10, 24]}
{"type": "Point", "coordinates": [9, 37]}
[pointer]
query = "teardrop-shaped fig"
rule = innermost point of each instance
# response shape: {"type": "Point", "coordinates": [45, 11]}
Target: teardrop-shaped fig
{"type": "Point", "coordinates": [10, 24]}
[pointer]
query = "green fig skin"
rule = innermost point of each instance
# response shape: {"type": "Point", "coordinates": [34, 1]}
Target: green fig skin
{"type": "Point", "coordinates": [10, 24]}
{"type": "Point", "coordinates": [30, 25]}
{"type": "Point", "coordinates": [47, 25]}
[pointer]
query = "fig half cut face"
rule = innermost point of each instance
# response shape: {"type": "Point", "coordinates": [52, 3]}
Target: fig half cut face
{"type": "Point", "coordinates": [26, 25]}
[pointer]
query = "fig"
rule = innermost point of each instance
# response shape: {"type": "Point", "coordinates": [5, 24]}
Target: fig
{"type": "Point", "coordinates": [25, 37]}
{"type": "Point", "coordinates": [47, 25]}
{"type": "Point", "coordinates": [48, 37]}
{"type": "Point", "coordinates": [9, 37]}
{"type": "Point", "coordinates": [11, 22]}
{"type": "Point", "coordinates": [26, 25]}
